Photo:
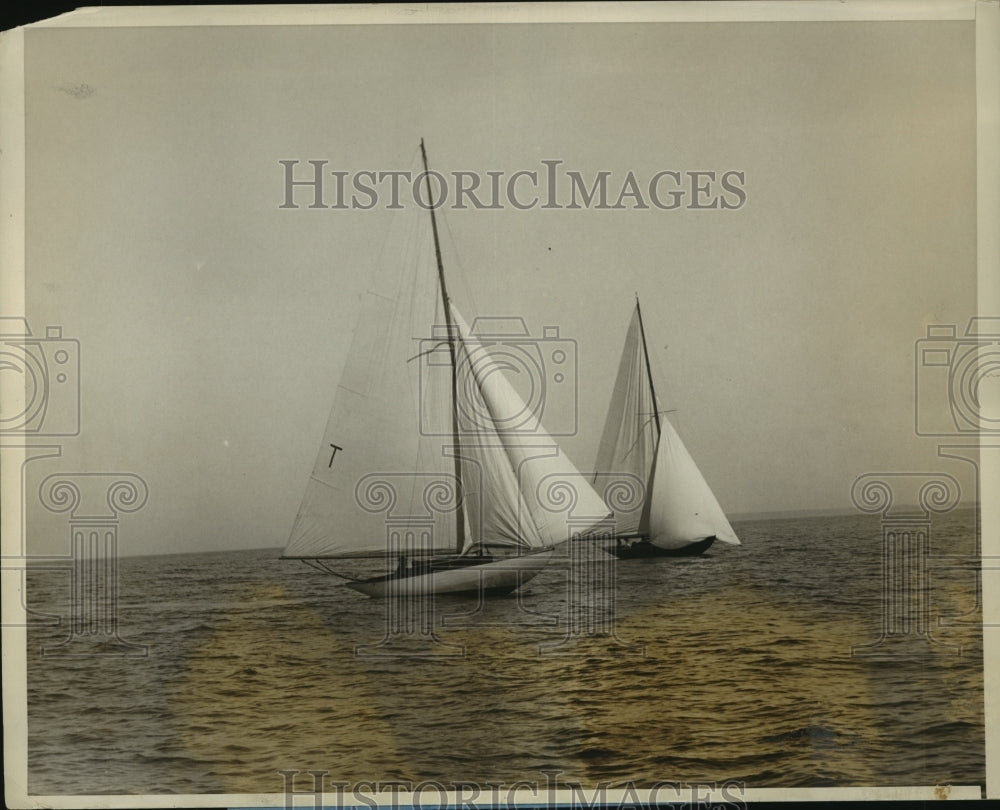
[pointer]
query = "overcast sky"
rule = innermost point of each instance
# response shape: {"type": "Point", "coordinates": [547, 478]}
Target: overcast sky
{"type": "Point", "coordinates": [213, 324]}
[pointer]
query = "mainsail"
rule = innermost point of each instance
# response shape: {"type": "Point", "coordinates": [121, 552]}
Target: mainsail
{"type": "Point", "coordinates": [640, 444]}
{"type": "Point", "coordinates": [628, 444]}
{"type": "Point", "coordinates": [387, 423]}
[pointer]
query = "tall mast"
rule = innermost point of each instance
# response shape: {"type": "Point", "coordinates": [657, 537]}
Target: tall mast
{"type": "Point", "coordinates": [452, 337]}
{"type": "Point", "coordinates": [649, 371]}
{"type": "Point", "coordinates": [648, 503]}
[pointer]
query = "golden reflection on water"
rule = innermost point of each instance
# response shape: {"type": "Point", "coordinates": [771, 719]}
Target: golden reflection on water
{"type": "Point", "coordinates": [761, 685]}
{"type": "Point", "coordinates": [729, 683]}
{"type": "Point", "coordinates": [248, 696]}
{"type": "Point", "coordinates": [705, 701]}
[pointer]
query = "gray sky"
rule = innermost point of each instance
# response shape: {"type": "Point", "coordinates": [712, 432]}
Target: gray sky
{"type": "Point", "coordinates": [213, 325]}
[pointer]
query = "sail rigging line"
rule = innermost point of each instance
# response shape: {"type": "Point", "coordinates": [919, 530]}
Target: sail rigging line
{"type": "Point", "coordinates": [639, 433]}
{"type": "Point", "coordinates": [649, 371]}
{"type": "Point", "coordinates": [644, 516]}
{"type": "Point", "coordinates": [406, 308]}
{"type": "Point", "coordinates": [426, 352]}
{"type": "Point", "coordinates": [449, 328]}
{"type": "Point", "coordinates": [647, 505]}
{"type": "Point", "coordinates": [317, 564]}
{"type": "Point", "coordinates": [644, 519]}
{"type": "Point", "coordinates": [460, 277]}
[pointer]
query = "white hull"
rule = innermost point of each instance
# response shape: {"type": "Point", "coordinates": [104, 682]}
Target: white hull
{"type": "Point", "coordinates": [496, 577]}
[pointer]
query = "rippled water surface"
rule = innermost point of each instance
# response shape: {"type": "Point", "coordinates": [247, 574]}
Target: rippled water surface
{"type": "Point", "coordinates": [735, 665]}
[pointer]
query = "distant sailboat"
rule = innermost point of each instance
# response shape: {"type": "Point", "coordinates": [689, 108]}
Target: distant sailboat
{"type": "Point", "coordinates": [679, 515]}
{"type": "Point", "coordinates": [454, 502]}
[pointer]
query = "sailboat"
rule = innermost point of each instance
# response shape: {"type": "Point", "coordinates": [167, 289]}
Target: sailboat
{"type": "Point", "coordinates": [678, 514]}
{"type": "Point", "coordinates": [418, 463]}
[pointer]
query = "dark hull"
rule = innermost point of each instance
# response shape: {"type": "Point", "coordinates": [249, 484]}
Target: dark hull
{"type": "Point", "coordinates": [642, 549]}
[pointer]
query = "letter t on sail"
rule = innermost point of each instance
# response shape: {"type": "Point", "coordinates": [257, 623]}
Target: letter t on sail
{"type": "Point", "coordinates": [333, 455]}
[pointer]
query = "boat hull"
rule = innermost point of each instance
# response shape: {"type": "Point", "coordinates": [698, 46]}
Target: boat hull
{"type": "Point", "coordinates": [641, 549]}
{"type": "Point", "coordinates": [492, 577]}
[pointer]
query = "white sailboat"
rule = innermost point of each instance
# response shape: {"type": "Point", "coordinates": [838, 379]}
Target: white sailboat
{"type": "Point", "coordinates": [455, 505]}
{"type": "Point", "coordinates": [679, 515]}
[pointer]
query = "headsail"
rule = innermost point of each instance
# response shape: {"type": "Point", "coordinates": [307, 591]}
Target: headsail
{"type": "Point", "coordinates": [543, 472]}
{"type": "Point", "coordinates": [682, 508]}
{"type": "Point", "coordinates": [497, 514]}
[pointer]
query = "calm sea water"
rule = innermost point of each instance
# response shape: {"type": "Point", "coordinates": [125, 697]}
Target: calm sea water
{"type": "Point", "coordinates": [735, 665]}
